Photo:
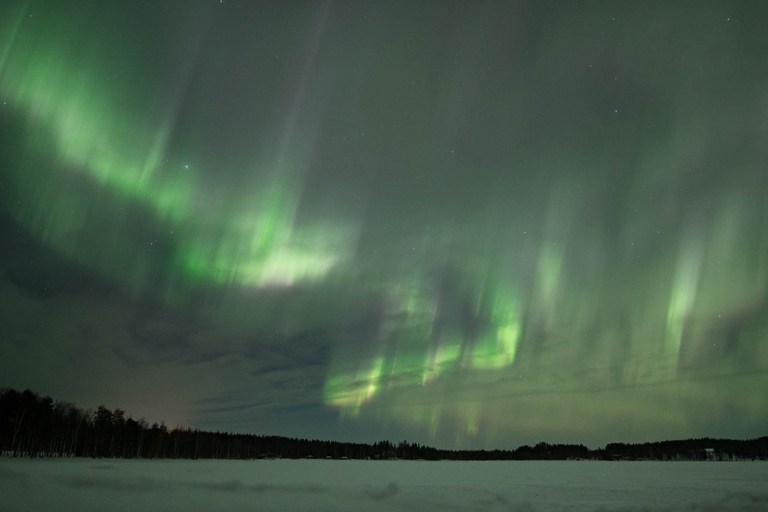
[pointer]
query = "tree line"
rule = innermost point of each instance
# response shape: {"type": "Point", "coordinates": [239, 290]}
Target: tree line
{"type": "Point", "coordinates": [37, 426]}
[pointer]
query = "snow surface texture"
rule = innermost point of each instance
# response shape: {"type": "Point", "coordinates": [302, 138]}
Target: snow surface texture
{"type": "Point", "coordinates": [287, 485]}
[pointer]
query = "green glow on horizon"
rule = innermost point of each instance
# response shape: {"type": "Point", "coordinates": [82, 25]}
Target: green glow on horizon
{"type": "Point", "coordinates": [434, 422]}
{"type": "Point", "coordinates": [350, 392]}
{"type": "Point", "coordinates": [440, 359]}
{"type": "Point", "coordinates": [472, 421]}
{"type": "Point", "coordinates": [421, 360]}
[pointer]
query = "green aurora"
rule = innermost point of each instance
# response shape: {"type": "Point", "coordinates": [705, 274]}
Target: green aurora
{"type": "Point", "coordinates": [474, 225]}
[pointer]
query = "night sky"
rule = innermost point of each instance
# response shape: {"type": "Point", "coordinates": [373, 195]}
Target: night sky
{"type": "Point", "coordinates": [466, 224]}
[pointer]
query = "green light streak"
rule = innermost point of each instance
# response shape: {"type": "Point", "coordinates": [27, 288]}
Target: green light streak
{"type": "Point", "coordinates": [497, 349]}
{"type": "Point", "coordinates": [683, 293]}
{"type": "Point", "coordinates": [548, 281]}
{"type": "Point", "coordinates": [7, 45]}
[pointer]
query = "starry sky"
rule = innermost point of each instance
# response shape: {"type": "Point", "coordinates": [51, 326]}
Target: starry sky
{"type": "Point", "coordinates": [465, 224]}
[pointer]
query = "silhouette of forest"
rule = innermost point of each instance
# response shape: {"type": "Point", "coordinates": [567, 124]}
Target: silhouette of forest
{"type": "Point", "coordinates": [37, 426]}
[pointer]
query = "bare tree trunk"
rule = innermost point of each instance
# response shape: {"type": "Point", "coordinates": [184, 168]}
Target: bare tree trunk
{"type": "Point", "coordinates": [16, 431]}
{"type": "Point", "coordinates": [141, 440]}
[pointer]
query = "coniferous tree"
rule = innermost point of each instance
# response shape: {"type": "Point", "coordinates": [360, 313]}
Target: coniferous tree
{"type": "Point", "coordinates": [33, 426]}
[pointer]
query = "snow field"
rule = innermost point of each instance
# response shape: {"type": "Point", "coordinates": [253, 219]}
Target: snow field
{"type": "Point", "coordinates": [78, 485]}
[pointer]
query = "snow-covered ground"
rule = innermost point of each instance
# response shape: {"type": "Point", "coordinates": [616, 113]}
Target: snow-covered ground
{"type": "Point", "coordinates": [189, 486]}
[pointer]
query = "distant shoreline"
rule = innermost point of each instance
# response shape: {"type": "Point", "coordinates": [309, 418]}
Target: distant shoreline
{"type": "Point", "coordinates": [33, 426]}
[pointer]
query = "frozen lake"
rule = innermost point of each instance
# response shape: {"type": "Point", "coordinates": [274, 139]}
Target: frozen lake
{"type": "Point", "coordinates": [188, 486]}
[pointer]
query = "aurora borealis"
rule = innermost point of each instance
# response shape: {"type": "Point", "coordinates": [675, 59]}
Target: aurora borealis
{"type": "Point", "coordinates": [467, 224]}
